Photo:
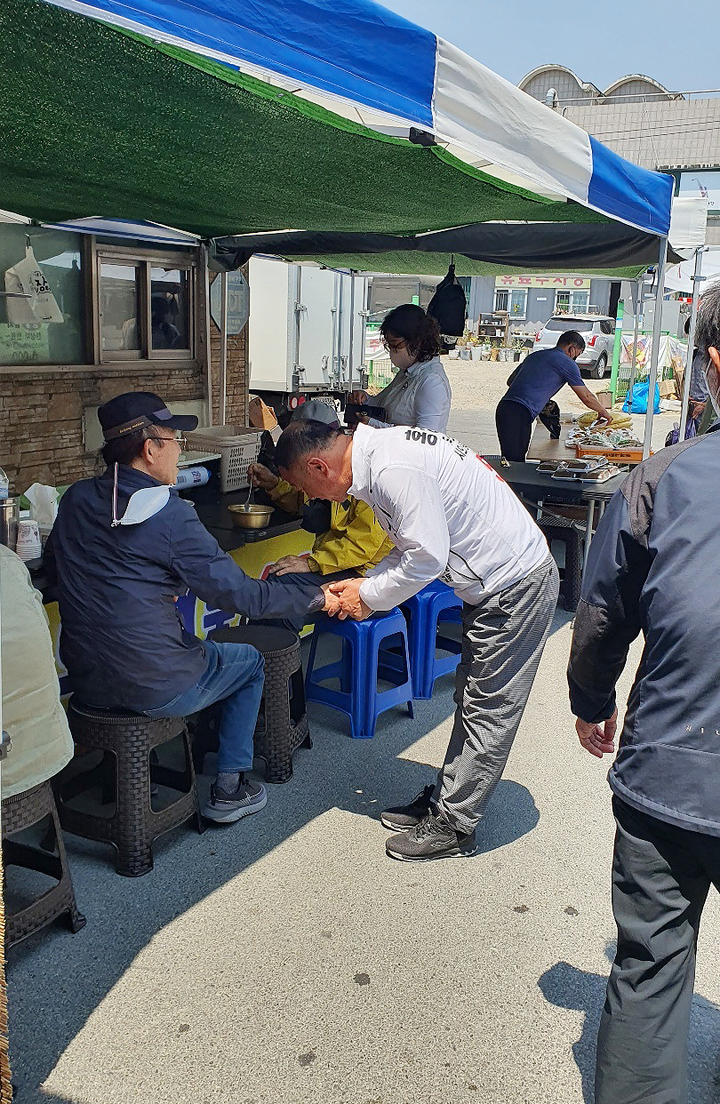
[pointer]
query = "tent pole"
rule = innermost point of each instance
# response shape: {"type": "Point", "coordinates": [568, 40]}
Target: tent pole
{"type": "Point", "coordinates": [208, 331]}
{"type": "Point", "coordinates": [655, 350]}
{"type": "Point", "coordinates": [351, 347]}
{"type": "Point", "coordinates": [223, 346]}
{"type": "Point", "coordinates": [691, 343]}
{"type": "Point", "coordinates": [636, 332]}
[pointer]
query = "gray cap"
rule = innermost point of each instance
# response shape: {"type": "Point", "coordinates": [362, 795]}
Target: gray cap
{"type": "Point", "coordinates": [318, 411]}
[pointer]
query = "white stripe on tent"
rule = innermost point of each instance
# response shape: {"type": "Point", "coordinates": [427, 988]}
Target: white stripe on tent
{"type": "Point", "coordinates": [125, 228]}
{"type": "Point", "coordinates": [483, 112]}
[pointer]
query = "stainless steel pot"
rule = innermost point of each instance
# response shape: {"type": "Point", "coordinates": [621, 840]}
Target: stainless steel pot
{"type": "Point", "coordinates": [9, 515]}
{"type": "Point", "coordinates": [250, 517]}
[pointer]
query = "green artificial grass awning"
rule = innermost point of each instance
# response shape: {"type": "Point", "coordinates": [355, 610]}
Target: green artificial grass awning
{"type": "Point", "coordinates": [96, 121]}
{"type": "Point", "coordinates": [414, 263]}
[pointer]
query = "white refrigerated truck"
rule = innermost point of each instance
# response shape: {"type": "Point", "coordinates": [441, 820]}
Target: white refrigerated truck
{"type": "Point", "coordinates": [306, 334]}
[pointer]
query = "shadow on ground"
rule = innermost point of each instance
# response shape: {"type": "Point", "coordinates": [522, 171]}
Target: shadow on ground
{"type": "Point", "coordinates": [57, 980]}
{"type": "Point", "coordinates": [567, 987]}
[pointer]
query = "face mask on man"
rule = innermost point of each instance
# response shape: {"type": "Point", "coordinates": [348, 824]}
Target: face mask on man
{"type": "Point", "coordinates": [142, 504]}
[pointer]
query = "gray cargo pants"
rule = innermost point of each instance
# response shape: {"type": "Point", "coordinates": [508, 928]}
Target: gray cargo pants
{"type": "Point", "coordinates": [661, 878]}
{"type": "Point", "coordinates": [502, 642]}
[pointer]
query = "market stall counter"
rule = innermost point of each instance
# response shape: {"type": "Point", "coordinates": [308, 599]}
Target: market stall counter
{"type": "Point", "coordinates": [543, 490]}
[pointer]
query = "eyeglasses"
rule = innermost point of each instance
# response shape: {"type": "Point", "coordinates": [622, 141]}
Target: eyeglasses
{"type": "Point", "coordinates": [179, 440]}
{"type": "Point", "coordinates": [394, 346]}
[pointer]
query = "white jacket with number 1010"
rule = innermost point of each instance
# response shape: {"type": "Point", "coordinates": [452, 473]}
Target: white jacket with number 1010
{"type": "Point", "coordinates": [448, 513]}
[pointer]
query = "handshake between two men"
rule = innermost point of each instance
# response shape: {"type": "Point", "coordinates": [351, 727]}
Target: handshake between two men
{"type": "Point", "coordinates": [342, 599]}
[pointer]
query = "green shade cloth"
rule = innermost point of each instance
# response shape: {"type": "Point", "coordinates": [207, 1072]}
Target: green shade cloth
{"type": "Point", "coordinates": [414, 263]}
{"type": "Point", "coordinates": [100, 122]}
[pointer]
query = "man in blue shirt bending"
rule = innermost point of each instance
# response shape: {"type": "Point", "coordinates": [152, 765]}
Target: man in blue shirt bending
{"type": "Point", "coordinates": [539, 377]}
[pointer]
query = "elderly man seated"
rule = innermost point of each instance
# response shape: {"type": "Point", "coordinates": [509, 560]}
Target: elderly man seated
{"type": "Point", "coordinates": [123, 546]}
{"type": "Point", "coordinates": [31, 709]}
{"type": "Point", "coordinates": [349, 540]}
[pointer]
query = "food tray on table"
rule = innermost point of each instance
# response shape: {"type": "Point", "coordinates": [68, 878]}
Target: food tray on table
{"type": "Point", "coordinates": [596, 470]}
{"type": "Point", "coordinates": [567, 469]}
{"type": "Point", "coordinates": [601, 475]}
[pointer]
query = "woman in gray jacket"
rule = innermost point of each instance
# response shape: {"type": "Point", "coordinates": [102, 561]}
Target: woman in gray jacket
{"type": "Point", "coordinates": [420, 394]}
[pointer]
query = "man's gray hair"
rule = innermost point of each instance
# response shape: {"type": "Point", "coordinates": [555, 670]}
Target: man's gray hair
{"type": "Point", "coordinates": [707, 330]}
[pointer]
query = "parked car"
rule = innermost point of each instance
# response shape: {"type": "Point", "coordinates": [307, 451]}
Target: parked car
{"type": "Point", "coordinates": [598, 331]}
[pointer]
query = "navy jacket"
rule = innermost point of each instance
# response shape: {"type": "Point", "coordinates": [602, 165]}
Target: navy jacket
{"type": "Point", "coordinates": [654, 567]}
{"type": "Point", "coordinates": [122, 641]}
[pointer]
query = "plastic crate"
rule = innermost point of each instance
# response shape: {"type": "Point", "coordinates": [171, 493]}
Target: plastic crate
{"type": "Point", "coordinates": [239, 447]}
{"type": "Point", "coordinates": [618, 456]}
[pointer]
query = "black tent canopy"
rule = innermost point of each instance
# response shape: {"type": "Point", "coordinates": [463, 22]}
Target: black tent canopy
{"type": "Point", "coordinates": [486, 248]}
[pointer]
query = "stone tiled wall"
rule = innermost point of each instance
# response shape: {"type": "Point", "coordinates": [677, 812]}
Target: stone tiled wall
{"type": "Point", "coordinates": [237, 376]}
{"type": "Point", "coordinates": [238, 372]}
{"type": "Point", "coordinates": [41, 416]}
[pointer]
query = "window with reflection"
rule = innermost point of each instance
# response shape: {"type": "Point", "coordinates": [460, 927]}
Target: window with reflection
{"type": "Point", "coordinates": [146, 303]}
{"type": "Point", "coordinates": [170, 308]}
{"type": "Point", "coordinates": [119, 307]}
{"type": "Point", "coordinates": [24, 339]}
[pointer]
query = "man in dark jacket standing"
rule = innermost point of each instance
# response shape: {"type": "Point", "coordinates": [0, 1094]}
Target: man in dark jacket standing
{"type": "Point", "coordinates": [123, 546]}
{"type": "Point", "coordinates": [657, 549]}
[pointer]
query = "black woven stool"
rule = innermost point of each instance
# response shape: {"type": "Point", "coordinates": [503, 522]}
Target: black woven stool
{"type": "Point", "coordinates": [134, 824]}
{"type": "Point", "coordinates": [282, 724]}
{"type": "Point", "coordinates": [559, 529]}
{"type": "Point", "coordinates": [23, 811]}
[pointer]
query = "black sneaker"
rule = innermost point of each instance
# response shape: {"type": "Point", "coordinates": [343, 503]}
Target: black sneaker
{"type": "Point", "coordinates": [433, 838]}
{"type": "Point", "coordinates": [402, 817]}
{"type": "Point", "coordinates": [224, 808]}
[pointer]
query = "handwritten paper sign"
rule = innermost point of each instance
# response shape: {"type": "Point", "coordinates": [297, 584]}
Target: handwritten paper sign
{"type": "Point", "coordinates": [24, 343]}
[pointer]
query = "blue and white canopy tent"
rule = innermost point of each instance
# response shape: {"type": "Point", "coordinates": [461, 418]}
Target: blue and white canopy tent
{"type": "Point", "coordinates": [222, 118]}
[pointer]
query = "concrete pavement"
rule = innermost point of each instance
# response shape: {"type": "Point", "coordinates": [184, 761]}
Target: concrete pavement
{"type": "Point", "coordinates": [286, 960]}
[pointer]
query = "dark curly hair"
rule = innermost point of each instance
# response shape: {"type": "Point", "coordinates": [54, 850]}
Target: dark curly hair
{"type": "Point", "coordinates": [418, 329]}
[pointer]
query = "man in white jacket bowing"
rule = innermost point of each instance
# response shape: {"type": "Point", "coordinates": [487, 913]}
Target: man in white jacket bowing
{"type": "Point", "coordinates": [451, 517]}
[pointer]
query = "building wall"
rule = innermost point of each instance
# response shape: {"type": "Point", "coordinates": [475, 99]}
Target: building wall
{"type": "Point", "coordinates": [41, 416]}
{"type": "Point", "coordinates": [662, 134]}
{"type": "Point", "coordinates": [565, 83]}
{"type": "Point", "coordinates": [237, 373]}
{"type": "Point", "coordinates": [42, 409]}
{"type": "Point", "coordinates": [540, 301]}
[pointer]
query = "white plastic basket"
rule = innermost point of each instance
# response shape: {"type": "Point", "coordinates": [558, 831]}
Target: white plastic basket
{"type": "Point", "coordinates": [239, 447]}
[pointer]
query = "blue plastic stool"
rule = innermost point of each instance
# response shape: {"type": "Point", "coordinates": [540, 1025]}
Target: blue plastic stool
{"type": "Point", "coordinates": [427, 610]}
{"type": "Point", "coordinates": [363, 662]}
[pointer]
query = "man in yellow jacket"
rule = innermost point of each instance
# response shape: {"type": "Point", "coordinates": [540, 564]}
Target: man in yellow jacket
{"type": "Point", "coordinates": [353, 541]}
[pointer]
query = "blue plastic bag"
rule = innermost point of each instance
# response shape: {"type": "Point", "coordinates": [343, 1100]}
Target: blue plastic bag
{"type": "Point", "coordinates": [640, 398]}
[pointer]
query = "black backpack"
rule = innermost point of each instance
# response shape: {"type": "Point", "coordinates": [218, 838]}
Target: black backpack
{"type": "Point", "coordinates": [449, 306]}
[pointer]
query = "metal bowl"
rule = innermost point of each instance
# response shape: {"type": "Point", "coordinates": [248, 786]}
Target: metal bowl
{"type": "Point", "coordinates": [250, 517]}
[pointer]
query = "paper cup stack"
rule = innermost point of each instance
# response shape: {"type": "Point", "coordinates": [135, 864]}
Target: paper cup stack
{"type": "Point", "coordinates": [28, 545]}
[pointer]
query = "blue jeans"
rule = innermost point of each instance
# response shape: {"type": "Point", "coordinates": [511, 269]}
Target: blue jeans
{"type": "Point", "coordinates": [234, 676]}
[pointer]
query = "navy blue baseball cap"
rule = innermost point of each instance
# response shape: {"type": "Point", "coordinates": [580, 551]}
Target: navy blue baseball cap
{"type": "Point", "coordinates": [138, 410]}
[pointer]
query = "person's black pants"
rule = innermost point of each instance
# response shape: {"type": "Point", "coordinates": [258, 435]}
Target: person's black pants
{"type": "Point", "coordinates": [514, 426]}
{"type": "Point", "coordinates": [661, 877]}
